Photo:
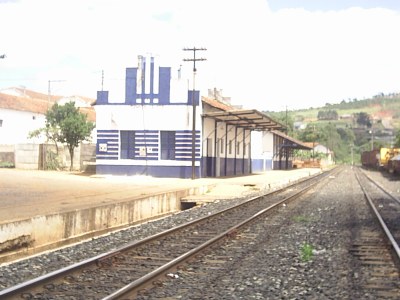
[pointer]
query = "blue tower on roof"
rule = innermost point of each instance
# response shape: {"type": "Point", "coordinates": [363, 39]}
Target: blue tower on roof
{"type": "Point", "coordinates": [148, 83]}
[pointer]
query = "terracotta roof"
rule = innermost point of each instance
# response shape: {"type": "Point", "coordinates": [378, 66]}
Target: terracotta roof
{"type": "Point", "coordinates": [217, 104]}
{"type": "Point", "coordinates": [35, 102]}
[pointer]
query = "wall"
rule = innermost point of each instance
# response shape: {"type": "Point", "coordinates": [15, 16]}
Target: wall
{"type": "Point", "coordinates": [45, 232]}
{"type": "Point", "coordinates": [147, 121]}
{"type": "Point", "coordinates": [16, 125]}
{"type": "Point", "coordinates": [262, 151]}
{"type": "Point", "coordinates": [7, 156]}
{"type": "Point", "coordinates": [30, 156]}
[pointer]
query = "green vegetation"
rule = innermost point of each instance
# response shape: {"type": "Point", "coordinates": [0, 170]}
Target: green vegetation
{"type": "Point", "coordinates": [65, 125]}
{"type": "Point", "coordinates": [328, 114]}
{"type": "Point", "coordinates": [301, 219]}
{"type": "Point", "coordinates": [306, 252]}
{"type": "Point", "coordinates": [347, 128]}
{"type": "Point", "coordinates": [397, 141]}
{"type": "Point", "coordinates": [6, 164]}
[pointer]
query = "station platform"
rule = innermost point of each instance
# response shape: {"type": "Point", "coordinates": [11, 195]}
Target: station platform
{"type": "Point", "coordinates": [26, 193]}
{"type": "Point", "coordinates": [40, 210]}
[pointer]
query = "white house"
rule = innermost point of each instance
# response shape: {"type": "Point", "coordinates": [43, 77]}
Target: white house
{"type": "Point", "coordinates": [19, 115]}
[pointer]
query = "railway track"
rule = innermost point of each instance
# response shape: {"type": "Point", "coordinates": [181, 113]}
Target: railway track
{"type": "Point", "coordinates": [123, 272]}
{"type": "Point", "coordinates": [377, 245]}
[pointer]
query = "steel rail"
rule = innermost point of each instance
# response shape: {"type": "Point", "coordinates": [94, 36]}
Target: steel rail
{"type": "Point", "coordinates": [381, 187]}
{"type": "Point", "coordinates": [131, 288]}
{"type": "Point", "coordinates": [389, 235]}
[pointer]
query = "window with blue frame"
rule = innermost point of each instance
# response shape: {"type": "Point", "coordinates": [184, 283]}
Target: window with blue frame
{"type": "Point", "coordinates": [167, 145]}
{"type": "Point", "coordinates": [127, 144]}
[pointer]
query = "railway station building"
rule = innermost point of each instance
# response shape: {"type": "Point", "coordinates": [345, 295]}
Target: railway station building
{"type": "Point", "coordinates": [151, 131]}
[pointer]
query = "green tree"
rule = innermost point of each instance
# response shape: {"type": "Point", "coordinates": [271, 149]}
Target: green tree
{"type": "Point", "coordinates": [329, 114]}
{"type": "Point", "coordinates": [363, 119]}
{"type": "Point", "coordinates": [66, 124]}
{"type": "Point", "coordinates": [285, 118]}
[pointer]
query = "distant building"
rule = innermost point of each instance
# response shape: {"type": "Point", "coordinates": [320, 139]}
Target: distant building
{"type": "Point", "coordinates": [23, 111]}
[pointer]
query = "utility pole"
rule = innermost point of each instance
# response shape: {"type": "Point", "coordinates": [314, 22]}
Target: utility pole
{"type": "Point", "coordinates": [49, 91]}
{"type": "Point", "coordinates": [194, 59]}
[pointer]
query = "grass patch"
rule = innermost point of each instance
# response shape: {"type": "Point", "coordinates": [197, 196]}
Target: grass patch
{"type": "Point", "coordinates": [301, 219]}
{"type": "Point", "coordinates": [6, 164]}
{"type": "Point", "coordinates": [306, 252]}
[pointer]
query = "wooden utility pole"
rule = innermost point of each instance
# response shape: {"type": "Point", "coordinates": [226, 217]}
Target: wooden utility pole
{"type": "Point", "coordinates": [194, 59]}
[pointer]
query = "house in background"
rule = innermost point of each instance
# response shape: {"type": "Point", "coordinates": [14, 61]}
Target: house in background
{"type": "Point", "coordinates": [321, 156]}
{"type": "Point", "coordinates": [150, 132]}
{"type": "Point", "coordinates": [23, 111]}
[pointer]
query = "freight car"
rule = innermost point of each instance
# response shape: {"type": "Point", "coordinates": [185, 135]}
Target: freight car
{"type": "Point", "coordinates": [370, 159]}
{"type": "Point", "coordinates": [378, 159]}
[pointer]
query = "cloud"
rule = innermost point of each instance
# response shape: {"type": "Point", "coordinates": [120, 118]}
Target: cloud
{"type": "Point", "coordinates": [261, 58]}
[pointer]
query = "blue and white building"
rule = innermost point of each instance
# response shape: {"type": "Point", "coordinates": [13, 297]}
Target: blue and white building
{"type": "Point", "coordinates": [151, 131]}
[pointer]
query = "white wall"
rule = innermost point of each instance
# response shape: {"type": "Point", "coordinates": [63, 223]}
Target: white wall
{"type": "Point", "coordinates": [16, 126]}
{"type": "Point", "coordinates": [146, 117]}
{"type": "Point", "coordinates": [262, 144]}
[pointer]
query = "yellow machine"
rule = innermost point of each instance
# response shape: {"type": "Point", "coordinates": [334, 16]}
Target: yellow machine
{"type": "Point", "coordinates": [386, 154]}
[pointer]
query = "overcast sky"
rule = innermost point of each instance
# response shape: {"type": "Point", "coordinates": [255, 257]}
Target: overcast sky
{"type": "Point", "coordinates": [267, 55]}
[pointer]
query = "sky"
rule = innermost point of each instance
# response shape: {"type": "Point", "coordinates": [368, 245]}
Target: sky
{"type": "Point", "coordinates": [269, 55]}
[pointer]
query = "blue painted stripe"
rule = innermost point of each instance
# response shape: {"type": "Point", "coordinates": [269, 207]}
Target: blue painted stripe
{"type": "Point", "coordinates": [107, 131]}
{"type": "Point", "coordinates": [147, 141]}
{"type": "Point", "coordinates": [146, 158]}
{"type": "Point", "coordinates": [107, 157]}
{"type": "Point", "coordinates": [147, 131]}
{"type": "Point", "coordinates": [187, 159]}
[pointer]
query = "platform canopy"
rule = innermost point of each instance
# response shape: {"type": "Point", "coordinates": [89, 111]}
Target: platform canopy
{"type": "Point", "coordinates": [247, 119]}
{"type": "Point", "coordinates": [291, 143]}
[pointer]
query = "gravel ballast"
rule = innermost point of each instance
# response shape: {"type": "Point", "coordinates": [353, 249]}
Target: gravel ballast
{"type": "Point", "coordinates": [274, 270]}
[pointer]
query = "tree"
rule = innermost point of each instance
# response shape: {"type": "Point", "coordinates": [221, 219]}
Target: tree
{"type": "Point", "coordinates": [66, 124]}
{"type": "Point", "coordinates": [329, 114]}
{"type": "Point", "coordinates": [397, 141]}
{"type": "Point", "coordinates": [285, 118]}
{"type": "Point", "coordinates": [363, 119]}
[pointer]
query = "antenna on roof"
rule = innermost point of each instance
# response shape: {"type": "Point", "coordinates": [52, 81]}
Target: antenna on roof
{"type": "Point", "coordinates": [102, 79]}
{"type": "Point", "coordinates": [179, 71]}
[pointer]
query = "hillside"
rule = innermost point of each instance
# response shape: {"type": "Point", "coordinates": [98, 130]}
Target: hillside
{"type": "Point", "coordinates": [357, 124]}
{"type": "Point", "coordinates": [379, 108]}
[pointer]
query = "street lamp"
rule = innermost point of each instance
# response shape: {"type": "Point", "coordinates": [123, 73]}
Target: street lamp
{"type": "Point", "coordinates": [194, 59]}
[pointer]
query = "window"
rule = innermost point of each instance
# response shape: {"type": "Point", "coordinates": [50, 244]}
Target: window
{"type": "Point", "coordinates": [230, 147]}
{"type": "Point", "coordinates": [127, 144]}
{"type": "Point", "coordinates": [1, 123]}
{"type": "Point", "coordinates": [167, 145]}
{"type": "Point", "coordinates": [238, 148]}
{"type": "Point", "coordinates": [221, 141]}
